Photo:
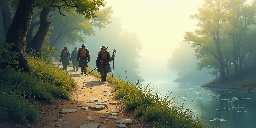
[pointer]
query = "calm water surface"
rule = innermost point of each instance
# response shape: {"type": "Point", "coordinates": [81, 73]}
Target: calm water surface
{"type": "Point", "coordinates": [221, 108]}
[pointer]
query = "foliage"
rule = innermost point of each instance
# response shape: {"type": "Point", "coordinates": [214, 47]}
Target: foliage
{"type": "Point", "coordinates": [153, 108]}
{"type": "Point", "coordinates": [6, 55]}
{"type": "Point", "coordinates": [73, 27]}
{"type": "Point", "coordinates": [14, 108]}
{"type": "Point", "coordinates": [222, 39]}
{"type": "Point", "coordinates": [19, 90]}
{"type": "Point", "coordinates": [48, 73]}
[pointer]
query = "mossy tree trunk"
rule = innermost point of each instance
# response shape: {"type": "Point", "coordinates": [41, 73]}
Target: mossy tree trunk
{"type": "Point", "coordinates": [17, 33]}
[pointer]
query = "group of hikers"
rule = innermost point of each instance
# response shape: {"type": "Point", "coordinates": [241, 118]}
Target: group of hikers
{"type": "Point", "coordinates": [81, 57]}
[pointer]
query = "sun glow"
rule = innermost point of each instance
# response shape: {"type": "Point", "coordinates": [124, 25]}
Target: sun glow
{"type": "Point", "coordinates": [159, 24]}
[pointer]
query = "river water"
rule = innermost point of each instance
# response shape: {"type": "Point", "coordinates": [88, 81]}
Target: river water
{"type": "Point", "coordinates": [221, 108]}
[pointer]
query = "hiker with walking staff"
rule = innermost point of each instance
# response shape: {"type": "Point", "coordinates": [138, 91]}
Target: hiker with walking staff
{"type": "Point", "coordinates": [64, 58]}
{"type": "Point", "coordinates": [83, 56]}
{"type": "Point", "coordinates": [102, 62]}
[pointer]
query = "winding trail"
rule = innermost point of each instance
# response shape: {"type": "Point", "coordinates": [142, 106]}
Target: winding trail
{"type": "Point", "coordinates": [92, 106]}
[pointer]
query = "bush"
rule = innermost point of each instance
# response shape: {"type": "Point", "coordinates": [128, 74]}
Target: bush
{"type": "Point", "coordinates": [15, 108]}
{"type": "Point", "coordinates": [48, 73]}
{"type": "Point", "coordinates": [152, 108]}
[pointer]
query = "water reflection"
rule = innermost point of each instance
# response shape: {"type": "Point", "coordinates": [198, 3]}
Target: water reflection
{"type": "Point", "coordinates": [222, 108]}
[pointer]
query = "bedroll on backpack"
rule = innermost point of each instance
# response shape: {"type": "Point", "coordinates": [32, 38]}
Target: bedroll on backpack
{"type": "Point", "coordinates": [83, 53]}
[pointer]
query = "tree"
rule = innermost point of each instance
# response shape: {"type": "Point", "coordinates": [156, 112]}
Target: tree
{"type": "Point", "coordinates": [22, 19]}
{"type": "Point", "coordinates": [222, 27]}
{"type": "Point", "coordinates": [6, 14]}
{"type": "Point", "coordinates": [73, 27]}
{"type": "Point", "coordinates": [17, 33]}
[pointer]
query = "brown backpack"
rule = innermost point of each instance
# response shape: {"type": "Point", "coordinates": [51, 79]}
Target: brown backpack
{"type": "Point", "coordinates": [103, 54]}
{"type": "Point", "coordinates": [82, 53]}
{"type": "Point", "coordinates": [64, 53]}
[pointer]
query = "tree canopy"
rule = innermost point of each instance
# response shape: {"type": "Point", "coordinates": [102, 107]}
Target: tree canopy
{"type": "Point", "coordinates": [221, 40]}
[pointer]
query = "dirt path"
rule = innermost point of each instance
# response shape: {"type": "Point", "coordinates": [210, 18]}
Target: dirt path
{"type": "Point", "coordinates": [92, 106]}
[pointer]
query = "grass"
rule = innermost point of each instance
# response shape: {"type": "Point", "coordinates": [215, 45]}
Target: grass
{"type": "Point", "coordinates": [19, 91]}
{"type": "Point", "coordinates": [164, 111]}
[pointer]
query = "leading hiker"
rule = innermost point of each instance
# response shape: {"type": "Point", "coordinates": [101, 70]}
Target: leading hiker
{"type": "Point", "coordinates": [102, 62]}
{"type": "Point", "coordinates": [83, 56]}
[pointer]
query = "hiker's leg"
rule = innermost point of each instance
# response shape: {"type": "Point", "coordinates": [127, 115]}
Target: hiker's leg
{"type": "Point", "coordinates": [102, 76]}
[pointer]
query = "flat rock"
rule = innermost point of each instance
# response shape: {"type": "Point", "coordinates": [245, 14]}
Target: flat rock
{"type": "Point", "coordinates": [68, 110]}
{"type": "Point", "coordinates": [97, 107]}
{"type": "Point", "coordinates": [90, 125]}
{"type": "Point", "coordinates": [124, 121]}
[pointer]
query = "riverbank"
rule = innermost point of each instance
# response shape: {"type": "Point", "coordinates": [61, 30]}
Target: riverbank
{"type": "Point", "coordinates": [243, 84]}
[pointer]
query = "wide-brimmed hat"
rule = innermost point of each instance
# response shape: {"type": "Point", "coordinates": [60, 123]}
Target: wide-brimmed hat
{"type": "Point", "coordinates": [83, 45]}
{"type": "Point", "coordinates": [65, 48]}
{"type": "Point", "coordinates": [103, 47]}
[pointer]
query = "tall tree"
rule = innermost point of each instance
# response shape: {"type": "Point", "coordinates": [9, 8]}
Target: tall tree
{"type": "Point", "coordinates": [223, 26]}
{"type": "Point", "coordinates": [6, 14]}
{"type": "Point", "coordinates": [211, 18]}
{"type": "Point", "coordinates": [17, 33]}
{"type": "Point", "coordinates": [38, 39]}
{"type": "Point", "coordinates": [240, 17]}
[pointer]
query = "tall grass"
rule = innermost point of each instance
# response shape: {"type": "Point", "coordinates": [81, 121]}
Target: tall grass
{"type": "Point", "coordinates": [149, 107]}
{"type": "Point", "coordinates": [19, 91]}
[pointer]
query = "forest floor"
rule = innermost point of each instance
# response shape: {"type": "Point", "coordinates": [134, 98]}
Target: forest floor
{"type": "Point", "coordinates": [92, 105]}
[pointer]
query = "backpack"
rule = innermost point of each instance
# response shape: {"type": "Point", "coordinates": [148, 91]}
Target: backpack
{"type": "Point", "coordinates": [103, 54]}
{"type": "Point", "coordinates": [82, 53]}
{"type": "Point", "coordinates": [64, 53]}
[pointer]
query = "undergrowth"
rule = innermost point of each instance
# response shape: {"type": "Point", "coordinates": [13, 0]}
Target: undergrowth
{"type": "Point", "coordinates": [19, 91]}
{"type": "Point", "coordinates": [149, 107]}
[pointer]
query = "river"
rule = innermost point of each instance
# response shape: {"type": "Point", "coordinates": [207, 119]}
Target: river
{"type": "Point", "coordinates": [221, 108]}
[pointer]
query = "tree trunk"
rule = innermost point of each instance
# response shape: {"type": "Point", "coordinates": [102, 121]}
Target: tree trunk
{"type": "Point", "coordinates": [17, 33]}
{"type": "Point", "coordinates": [29, 37]}
{"type": "Point", "coordinates": [6, 14]}
{"type": "Point", "coordinates": [38, 39]}
{"type": "Point", "coordinates": [220, 59]}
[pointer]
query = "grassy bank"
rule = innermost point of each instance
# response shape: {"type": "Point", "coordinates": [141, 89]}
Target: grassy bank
{"type": "Point", "coordinates": [164, 112]}
{"type": "Point", "coordinates": [19, 91]}
{"type": "Point", "coordinates": [243, 83]}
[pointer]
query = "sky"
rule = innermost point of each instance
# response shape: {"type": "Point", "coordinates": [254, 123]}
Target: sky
{"type": "Point", "coordinates": [159, 24]}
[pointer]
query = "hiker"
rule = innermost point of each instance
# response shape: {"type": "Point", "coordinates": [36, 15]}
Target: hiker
{"type": "Point", "coordinates": [83, 56]}
{"type": "Point", "coordinates": [102, 62]}
{"type": "Point", "coordinates": [64, 58]}
{"type": "Point", "coordinates": [74, 59]}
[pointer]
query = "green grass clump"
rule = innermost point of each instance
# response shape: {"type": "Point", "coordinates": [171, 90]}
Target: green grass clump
{"type": "Point", "coordinates": [48, 73]}
{"type": "Point", "coordinates": [165, 111]}
{"type": "Point", "coordinates": [19, 91]}
{"type": "Point", "coordinates": [17, 109]}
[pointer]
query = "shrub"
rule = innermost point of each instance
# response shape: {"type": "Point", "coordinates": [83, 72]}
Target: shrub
{"type": "Point", "coordinates": [13, 107]}
{"type": "Point", "coordinates": [48, 73]}
{"type": "Point", "coordinates": [152, 108]}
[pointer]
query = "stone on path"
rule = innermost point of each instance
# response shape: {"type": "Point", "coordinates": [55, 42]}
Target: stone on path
{"type": "Point", "coordinates": [67, 110]}
{"type": "Point", "coordinates": [124, 121]}
{"type": "Point", "coordinates": [90, 125]}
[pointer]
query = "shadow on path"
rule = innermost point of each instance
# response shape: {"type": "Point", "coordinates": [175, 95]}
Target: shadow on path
{"type": "Point", "coordinates": [93, 83]}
